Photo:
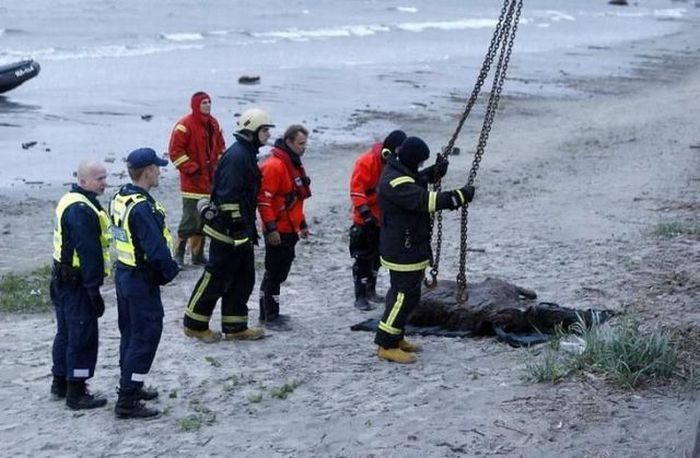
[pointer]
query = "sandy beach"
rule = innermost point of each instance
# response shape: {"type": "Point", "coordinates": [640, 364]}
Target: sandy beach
{"type": "Point", "coordinates": [569, 194]}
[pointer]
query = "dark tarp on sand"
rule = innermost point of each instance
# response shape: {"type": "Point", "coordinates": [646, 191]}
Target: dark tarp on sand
{"type": "Point", "coordinates": [493, 308]}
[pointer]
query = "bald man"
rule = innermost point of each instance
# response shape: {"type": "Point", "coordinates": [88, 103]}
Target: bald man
{"type": "Point", "coordinates": [80, 263]}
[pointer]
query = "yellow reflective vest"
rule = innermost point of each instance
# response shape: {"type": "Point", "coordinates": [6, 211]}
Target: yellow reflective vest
{"type": "Point", "coordinates": [105, 234]}
{"type": "Point", "coordinates": [120, 209]}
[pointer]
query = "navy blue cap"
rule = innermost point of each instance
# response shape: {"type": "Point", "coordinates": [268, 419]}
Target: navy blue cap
{"type": "Point", "coordinates": [143, 157]}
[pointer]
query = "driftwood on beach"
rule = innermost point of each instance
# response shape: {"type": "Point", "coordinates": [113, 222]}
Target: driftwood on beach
{"type": "Point", "coordinates": [494, 304]}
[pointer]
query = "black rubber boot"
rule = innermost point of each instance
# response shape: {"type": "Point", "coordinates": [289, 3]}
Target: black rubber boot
{"type": "Point", "coordinates": [147, 394]}
{"type": "Point", "coordinates": [372, 290]}
{"type": "Point", "coordinates": [59, 386]}
{"type": "Point", "coordinates": [79, 398]}
{"type": "Point", "coordinates": [180, 247]}
{"type": "Point", "coordinates": [270, 316]}
{"type": "Point", "coordinates": [270, 308]}
{"type": "Point", "coordinates": [130, 406]}
{"type": "Point", "coordinates": [361, 302]}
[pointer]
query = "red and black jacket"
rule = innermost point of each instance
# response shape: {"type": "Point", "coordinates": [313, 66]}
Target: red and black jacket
{"type": "Point", "coordinates": [283, 188]}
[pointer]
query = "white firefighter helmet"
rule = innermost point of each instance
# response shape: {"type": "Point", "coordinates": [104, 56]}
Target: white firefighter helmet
{"type": "Point", "coordinates": [253, 119]}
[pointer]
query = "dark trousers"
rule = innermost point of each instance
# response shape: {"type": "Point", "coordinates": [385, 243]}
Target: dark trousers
{"type": "Point", "coordinates": [191, 221]}
{"type": "Point", "coordinates": [75, 344]}
{"type": "Point", "coordinates": [364, 248]}
{"type": "Point", "coordinates": [278, 262]}
{"type": "Point", "coordinates": [229, 275]}
{"type": "Point", "coordinates": [140, 324]}
{"type": "Point", "coordinates": [401, 300]}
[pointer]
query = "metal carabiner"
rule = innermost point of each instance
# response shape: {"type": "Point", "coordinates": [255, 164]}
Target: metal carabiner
{"type": "Point", "coordinates": [430, 284]}
{"type": "Point", "coordinates": [462, 295]}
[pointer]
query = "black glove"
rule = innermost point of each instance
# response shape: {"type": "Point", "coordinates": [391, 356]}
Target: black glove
{"type": "Point", "coordinates": [367, 216]}
{"type": "Point", "coordinates": [466, 192]}
{"type": "Point", "coordinates": [456, 198]}
{"type": "Point", "coordinates": [436, 171]}
{"type": "Point", "coordinates": [97, 302]}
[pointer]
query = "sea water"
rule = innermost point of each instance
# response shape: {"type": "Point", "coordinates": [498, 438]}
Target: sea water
{"type": "Point", "coordinates": [116, 74]}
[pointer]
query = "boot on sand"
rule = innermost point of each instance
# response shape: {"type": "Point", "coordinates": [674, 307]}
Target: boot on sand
{"type": "Point", "coordinates": [396, 355]}
{"type": "Point", "coordinates": [247, 334]}
{"type": "Point", "coordinates": [206, 336]}
{"type": "Point", "coordinates": [79, 398]}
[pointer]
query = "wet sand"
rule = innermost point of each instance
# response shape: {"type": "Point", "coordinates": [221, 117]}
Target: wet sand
{"type": "Point", "coordinates": [569, 194]}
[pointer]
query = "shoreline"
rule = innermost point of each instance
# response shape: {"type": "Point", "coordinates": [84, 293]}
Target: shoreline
{"type": "Point", "coordinates": [567, 198]}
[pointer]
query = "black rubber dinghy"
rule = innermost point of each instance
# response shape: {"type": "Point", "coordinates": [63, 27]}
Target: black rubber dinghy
{"type": "Point", "coordinates": [12, 75]}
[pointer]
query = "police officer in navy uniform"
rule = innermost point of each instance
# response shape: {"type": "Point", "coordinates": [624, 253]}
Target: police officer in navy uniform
{"type": "Point", "coordinates": [144, 263]}
{"type": "Point", "coordinates": [81, 261]}
{"type": "Point", "coordinates": [404, 245]}
{"type": "Point", "coordinates": [229, 220]}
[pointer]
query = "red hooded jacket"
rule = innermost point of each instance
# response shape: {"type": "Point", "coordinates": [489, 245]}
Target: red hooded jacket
{"type": "Point", "coordinates": [196, 144]}
{"type": "Point", "coordinates": [283, 189]}
{"type": "Point", "coordinates": [364, 182]}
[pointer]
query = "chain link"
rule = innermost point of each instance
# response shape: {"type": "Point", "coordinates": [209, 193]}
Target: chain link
{"type": "Point", "coordinates": [447, 150]}
{"type": "Point", "coordinates": [512, 19]}
{"type": "Point", "coordinates": [504, 33]}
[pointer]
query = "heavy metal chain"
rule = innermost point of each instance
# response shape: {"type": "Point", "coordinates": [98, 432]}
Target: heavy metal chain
{"type": "Point", "coordinates": [502, 44]}
{"type": "Point", "coordinates": [471, 101]}
{"type": "Point", "coordinates": [494, 98]}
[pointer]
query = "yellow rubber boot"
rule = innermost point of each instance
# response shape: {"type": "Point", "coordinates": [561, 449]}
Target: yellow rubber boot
{"type": "Point", "coordinates": [410, 347]}
{"type": "Point", "coordinates": [396, 355]}
{"type": "Point", "coordinates": [248, 334]}
{"type": "Point", "coordinates": [207, 336]}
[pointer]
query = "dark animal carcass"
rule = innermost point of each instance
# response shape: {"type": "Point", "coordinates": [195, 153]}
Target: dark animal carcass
{"type": "Point", "coordinates": [495, 306]}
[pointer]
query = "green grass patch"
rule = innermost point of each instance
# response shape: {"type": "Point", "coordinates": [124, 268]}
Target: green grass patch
{"type": "Point", "coordinates": [628, 356]}
{"type": "Point", "coordinates": [281, 392]}
{"type": "Point", "coordinates": [625, 355]}
{"type": "Point", "coordinates": [549, 368]}
{"type": "Point", "coordinates": [194, 422]}
{"type": "Point", "coordinates": [676, 228]}
{"type": "Point", "coordinates": [26, 293]}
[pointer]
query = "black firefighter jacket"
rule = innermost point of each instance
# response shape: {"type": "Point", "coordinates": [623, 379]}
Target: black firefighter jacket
{"type": "Point", "coordinates": [235, 191]}
{"type": "Point", "coordinates": [405, 205]}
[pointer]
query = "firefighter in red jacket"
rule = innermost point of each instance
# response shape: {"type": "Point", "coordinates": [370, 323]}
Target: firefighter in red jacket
{"type": "Point", "coordinates": [196, 144]}
{"type": "Point", "coordinates": [364, 233]}
{"type": "Point", "coordinates": [284, 187]}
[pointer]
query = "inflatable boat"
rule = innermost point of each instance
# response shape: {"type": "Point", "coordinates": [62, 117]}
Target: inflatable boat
{"type": "Point", "coordinates": [12, 75]}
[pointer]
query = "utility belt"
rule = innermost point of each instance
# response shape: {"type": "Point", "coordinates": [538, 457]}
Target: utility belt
{"type": "Point", "coordinates": [65, 275]}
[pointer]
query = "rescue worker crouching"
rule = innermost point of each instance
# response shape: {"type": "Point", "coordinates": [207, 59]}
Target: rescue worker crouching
{"type": "Point", "coordinates": [81, 261]}
{"type": "Point", "coordinates": [196, 144]}
{"type": "Point", "coordinates": [364, 232]}
{"type": "Point", "coordinates": [405, 249]}
{"type": "Point", "coordinates": [144, 263]}
{"type": "Point", "coordinates": [283, 189]}
{"type": "Point", "coordinates": [230, 272]}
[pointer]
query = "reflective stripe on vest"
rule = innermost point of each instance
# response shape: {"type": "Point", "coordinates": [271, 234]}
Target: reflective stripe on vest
{"type": "Point", "coordinates": [105, 235]}
{"type": "Point", "coordinates": [120, 209]}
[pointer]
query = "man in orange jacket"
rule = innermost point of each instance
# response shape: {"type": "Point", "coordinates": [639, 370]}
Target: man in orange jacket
{"type": "Point", "coordinates": [364, 233]}
{"type": "Point", "coordinates": [196, 144]}
{"type": "Point", "coordinates": [284, 187]}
